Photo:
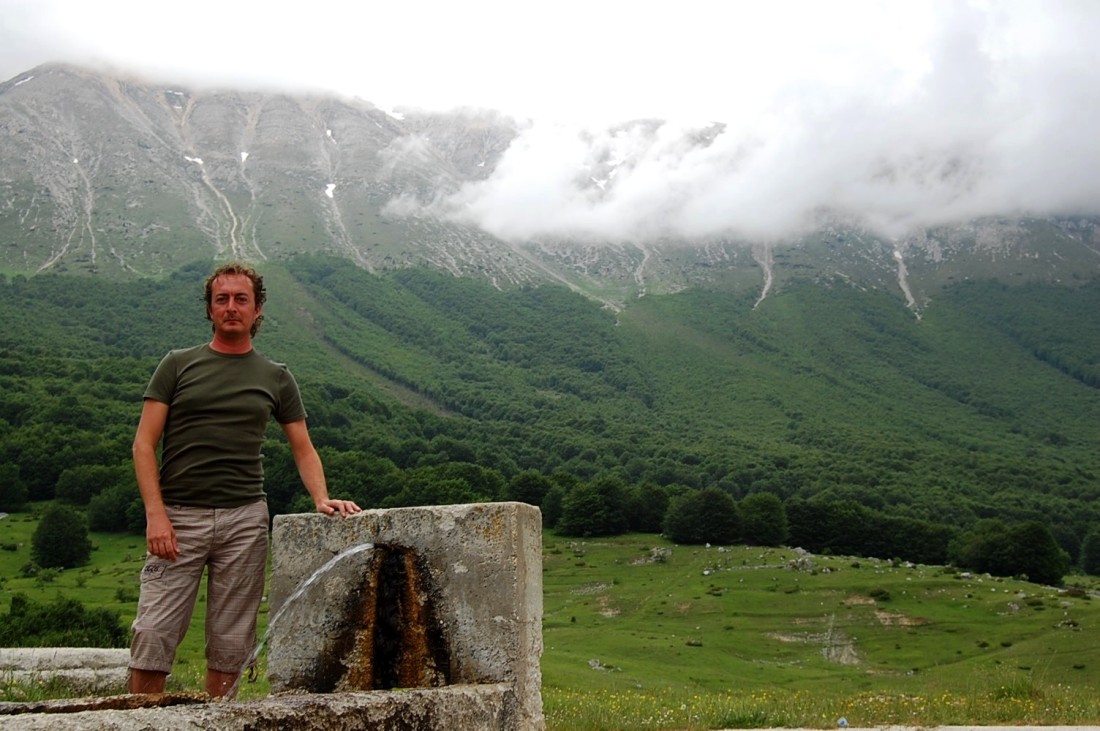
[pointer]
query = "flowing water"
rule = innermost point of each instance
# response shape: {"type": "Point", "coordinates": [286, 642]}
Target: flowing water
{"type": "Point", "coordinates": [291, 600]}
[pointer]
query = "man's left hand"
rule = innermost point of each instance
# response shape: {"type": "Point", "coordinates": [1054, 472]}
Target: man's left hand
{"type": "Point", "coordinates": [343, 507]}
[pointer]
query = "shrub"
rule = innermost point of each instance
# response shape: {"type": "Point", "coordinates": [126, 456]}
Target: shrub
{"type": "Point", "coordinates": [704, 516]}
{"type": "Point", "coordinates": [763, 520]}
{"type": "Point", "coordinates": [62, 623]}
{"type": "Point", "coordinates": [594, 509]}
{"type": "Point", "coordinates": [61, 539]}
{"type": "Point", "coordinates": [879, 595]}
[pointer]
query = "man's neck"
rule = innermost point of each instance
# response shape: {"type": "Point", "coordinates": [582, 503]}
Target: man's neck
{"type": "Point", "coordinates": [235, 346]}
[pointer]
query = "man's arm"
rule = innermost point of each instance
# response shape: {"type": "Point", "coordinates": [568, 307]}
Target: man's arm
{"type": "Point", "coordinates": [312, 471]}
{"type": "Point", "coordinates": [160, 536]}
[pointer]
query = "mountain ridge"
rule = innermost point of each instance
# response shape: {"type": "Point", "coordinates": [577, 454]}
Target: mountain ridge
{"type": "Point", "coordinates": [115, 176]}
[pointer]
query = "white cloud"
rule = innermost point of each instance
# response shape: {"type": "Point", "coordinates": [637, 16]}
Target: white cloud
{"type": "Point", "coordinates": [994, 118]}
{"type": "Point", "coordinates": [902, 113]}
{"type": "Point", "coordinates": [577, 59]}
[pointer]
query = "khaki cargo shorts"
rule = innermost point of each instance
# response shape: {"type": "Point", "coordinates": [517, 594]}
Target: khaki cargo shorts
{"type": "Point", "coordinates": [231, 544]}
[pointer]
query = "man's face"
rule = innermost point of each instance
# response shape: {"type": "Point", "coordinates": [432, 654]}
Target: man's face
{"type": "Point", "coordinates": [232, 306]}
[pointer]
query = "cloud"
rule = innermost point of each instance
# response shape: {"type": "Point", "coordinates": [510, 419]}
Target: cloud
{"type": "Point", "coordinates": [996, 117]}
{"type": "Point", "coordinates": [771, 114]}
{"type": "Point", "coordinates": [574, 60]}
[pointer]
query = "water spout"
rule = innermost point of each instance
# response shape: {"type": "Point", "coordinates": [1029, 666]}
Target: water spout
{"type": "Point", "coordinates": [314, 577]}
{"type": "Point", "coordinates": [292, 601]}
{"type": "Point", "coordinates": [365, 624]}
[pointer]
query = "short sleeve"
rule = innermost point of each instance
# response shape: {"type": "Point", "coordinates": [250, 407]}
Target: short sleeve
{"type": "Point", "coordinates": [162, 385]}
{"type": "Point", "coordinates": [290, 406]}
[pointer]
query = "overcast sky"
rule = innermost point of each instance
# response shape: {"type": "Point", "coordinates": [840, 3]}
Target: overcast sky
{"type": "Point", "coordinates": [902, 113]}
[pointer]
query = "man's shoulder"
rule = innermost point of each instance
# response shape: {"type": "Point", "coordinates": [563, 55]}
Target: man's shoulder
{"type": "Point", "coordinates": [260, 357]}
{"type": "Point", "coordinates": [186, 355]}
{"type": "Point", "coordinates": [194, 350]}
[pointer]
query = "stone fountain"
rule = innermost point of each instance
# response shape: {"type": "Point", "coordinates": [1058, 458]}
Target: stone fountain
{"type": "Point", "coordinates": [413, 618]}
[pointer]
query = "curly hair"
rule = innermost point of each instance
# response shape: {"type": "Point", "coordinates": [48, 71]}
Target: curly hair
{"type": "Point", "coordinates": [258, 291]}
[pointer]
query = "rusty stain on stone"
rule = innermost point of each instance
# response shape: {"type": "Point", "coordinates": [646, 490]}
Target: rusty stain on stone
{"type": "Point", "coordinates": [395, 640]}
{"type": "Point", "coordinates": [495, 527]}
{"type": "Point", "coordinates": [109, 703]}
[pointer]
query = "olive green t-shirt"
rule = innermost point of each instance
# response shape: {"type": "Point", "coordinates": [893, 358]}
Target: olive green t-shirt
{"type": "Point", "coordinates": [218, 409]}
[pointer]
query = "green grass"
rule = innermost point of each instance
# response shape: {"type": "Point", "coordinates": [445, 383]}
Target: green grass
{"type": "Point", "coordinates": [716, 637]}
{"type": "Point", "coordinates": [736, 637]}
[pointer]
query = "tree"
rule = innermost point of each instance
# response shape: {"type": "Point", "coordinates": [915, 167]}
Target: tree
{"type": "Point", "coordinates": [1067, 538]}
{"type": "Point", "coordinates": [13, 493]}
{"type": "Point", "coordinates": [1090, 553]}
{"type": "Point", "coordinates": [1037, 554]}
{"type": "Point", "coordinates": [61, 538]}
{"type": "Point", "coordinates": [484, 484]}
{"type": "Point", "coordinates": [357, 475]}
{"type": "Point", "coordinates": [422, 489]}
{"type": "Point", "coordinates": [77, 485]}
{"type": "Point", "coordinates": [594, 509]}
{"type": "Point", "coordinates": [42, 455]}
{"type": "Point", "coordinates": [529, 486]}
{"type": "Point", "coordinates": [1026, 549]}
{"type": "Point", "coordinates": [705, 516]}
{"type": "Point", "coordinates": [110, 510]}
{"type": "Point", "coordinates": [829, 526]}
{"type": "Point", "coordinates": [551, 506]}
{"type": "Point", "coordinates": [646, 507]}
{"type": "Point", "coordinates": [896, 536]}
{"type": "Point", "coordinates": [763, 520]}
{"type": "Point", "coordinates": [450, 483]}
{"type": "Point", "coordinates": [983, 547]}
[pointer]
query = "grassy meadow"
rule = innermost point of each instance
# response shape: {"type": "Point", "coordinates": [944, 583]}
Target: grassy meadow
{"type": "Point", "coordinates": [748, 637]}
{"type": "Point", "coordinates": [643, 634]}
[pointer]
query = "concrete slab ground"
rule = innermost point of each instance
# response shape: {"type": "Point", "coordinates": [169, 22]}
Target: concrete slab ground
{"type": "Point", "coordinates": [468, 707]}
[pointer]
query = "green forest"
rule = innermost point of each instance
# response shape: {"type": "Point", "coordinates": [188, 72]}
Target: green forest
{"type": "Point", "coordinates": [828, 417]}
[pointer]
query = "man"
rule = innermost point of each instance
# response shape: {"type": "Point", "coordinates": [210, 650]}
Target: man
{"type": "Point", "coordinates": [205, 506]}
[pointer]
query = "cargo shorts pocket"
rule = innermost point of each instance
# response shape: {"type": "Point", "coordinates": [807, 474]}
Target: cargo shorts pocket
{"type": "Point", "coordinates": [152, 572]}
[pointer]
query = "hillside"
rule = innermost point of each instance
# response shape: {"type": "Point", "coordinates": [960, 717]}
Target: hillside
{"type": "Point", "coordinates": [984, 407]}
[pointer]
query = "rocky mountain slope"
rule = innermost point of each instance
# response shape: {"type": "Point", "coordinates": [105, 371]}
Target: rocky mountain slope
{"type": "Point", "coordinates": [119, 177]}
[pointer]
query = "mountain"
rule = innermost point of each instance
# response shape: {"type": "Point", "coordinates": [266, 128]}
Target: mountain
{"type": "Point", "coordinates": [946, 377]}
{"type": "Point", "coordinates": [123, 177]}
{"type": "Point", "coordinates": [108, 175]}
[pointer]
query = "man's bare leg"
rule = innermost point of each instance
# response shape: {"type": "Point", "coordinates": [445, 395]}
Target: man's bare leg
{"type": "Point", "coordinates": [146, 681]}
{"type": "Point", "coordinates": [218, 684]}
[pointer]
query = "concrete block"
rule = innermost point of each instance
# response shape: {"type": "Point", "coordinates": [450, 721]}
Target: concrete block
{"type": "Point", "coordinates": [479, 589]}
{"type": "Point", "coordinates": [82, 669]}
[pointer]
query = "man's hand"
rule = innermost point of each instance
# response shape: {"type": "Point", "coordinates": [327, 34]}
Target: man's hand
{"type": "Point", "coordinates": [332, 507]}
{"type": "Point", "coordinates": [160, 537]}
